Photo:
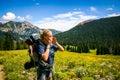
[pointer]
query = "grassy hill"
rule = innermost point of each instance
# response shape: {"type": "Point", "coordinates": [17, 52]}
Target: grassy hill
{"type": "Point", "coordinates": [68, 66]}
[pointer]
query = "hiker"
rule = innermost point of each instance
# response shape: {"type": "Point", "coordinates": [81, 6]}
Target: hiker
{"type": "Point", "coordinates": [47, 47]}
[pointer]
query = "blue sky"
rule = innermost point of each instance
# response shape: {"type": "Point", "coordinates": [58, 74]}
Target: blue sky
{"type": "Point", "coordinates": [57, 14]}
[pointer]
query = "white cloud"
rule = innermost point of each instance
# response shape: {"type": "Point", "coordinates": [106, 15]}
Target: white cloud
{"type": "Point", "coordinates": [69, 14]}
{"type": "Point", "coordinates": [61, 25]}
{"type": "Point", "coordinates": [47, 19]}
{"type": "Point", "coordinates": [28, 17]}
{"type": "Point", "coordinates": [21, 18]}
{"type": "Point", "coordinates": [76, 9]}
{"type": "Point", "coordinates": [84, 17]}
{"type": "Point", "coordinates": [109, 9]}
{"type": "Point", "coordinates": [9, 16]}
{"type": "Point", "coordinates": [112, 15]}
{"type": "Point", "coordinates": [75, 13]}
{"type": "Point", "coordinates": [93, 9]}
{"type": "Point", "coordinates": [64, 21]}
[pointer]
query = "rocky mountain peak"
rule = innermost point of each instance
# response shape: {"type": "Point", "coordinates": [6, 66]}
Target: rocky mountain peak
{"type": "Point", "coordinates": [25, 23]}
{"type": "Point", "coordinates": [21, 30]}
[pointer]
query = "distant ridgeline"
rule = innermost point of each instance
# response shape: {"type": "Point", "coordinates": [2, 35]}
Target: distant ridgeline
{"type": "Point", "coordinates": [18, 30]}
{"type": "Point", "coordinates": [102, 34]}
{"type": "Point", "coordinates": [13, 34]}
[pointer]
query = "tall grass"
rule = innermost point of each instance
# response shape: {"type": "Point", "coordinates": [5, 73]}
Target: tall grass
{"type": "Point", "coordinates": [13, 62]}
{"type": "Point", "coordinates": [67, 66]}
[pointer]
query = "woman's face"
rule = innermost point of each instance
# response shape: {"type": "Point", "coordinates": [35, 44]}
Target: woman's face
{"type": "Point", "coordinates": [48, 37]}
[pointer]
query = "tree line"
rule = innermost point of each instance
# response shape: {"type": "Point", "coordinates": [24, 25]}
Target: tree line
{"type": "Point", "coordinates": [8, 43]}
{"type": "Point", "coordinates": [106, 47]}
{"type": "Point", "coordinates": [101, 49]}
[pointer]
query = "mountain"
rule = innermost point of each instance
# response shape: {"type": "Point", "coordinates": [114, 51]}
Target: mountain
{"type": "Point", "coordinates": [53, 31]}
{"type": "Point", "coordinates": [20, 30]}
{"type": "Point", "coordinates": [93, 32]}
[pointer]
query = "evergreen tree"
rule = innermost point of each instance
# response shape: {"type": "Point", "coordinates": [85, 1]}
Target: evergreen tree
{"type": "Point", "coordinates": [98, 51]}
{"type": "Point", "coordinates": [1, 43]}
{"type": "Point", "coordinates": [86, 49]}
{"type": "Point", "coordinates": [79, 49]}
{"type": "Point", "coordinates": [68, 47]}
{"type": "Point", "coordinates": [117, 49]}
{"type": "Point", "coordinates": [8, 43]}
{"type": "Point", "coordinates": [17, 45]}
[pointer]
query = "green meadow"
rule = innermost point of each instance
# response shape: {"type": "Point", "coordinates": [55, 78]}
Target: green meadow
{"type": "Point", "coordinates": [67, 66]}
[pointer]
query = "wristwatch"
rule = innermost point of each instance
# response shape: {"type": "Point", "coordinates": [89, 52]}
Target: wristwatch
{"type": "Point", "coordinates": [48, 47]}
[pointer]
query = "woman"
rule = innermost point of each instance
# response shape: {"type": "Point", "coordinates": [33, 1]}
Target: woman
{"type": "Point", "coordinates": [47, 47]}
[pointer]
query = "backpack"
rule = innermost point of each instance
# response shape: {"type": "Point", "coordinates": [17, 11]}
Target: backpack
{"type": "Point", "coordinates": [32, 43]}
{"type": "Point", "coordinates": [35, 58]}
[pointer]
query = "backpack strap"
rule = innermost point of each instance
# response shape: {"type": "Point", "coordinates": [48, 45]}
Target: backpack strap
{"type": "Point", "coordinates": [42, 63]}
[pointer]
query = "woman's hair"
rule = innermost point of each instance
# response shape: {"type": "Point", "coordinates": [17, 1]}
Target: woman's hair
{"type": "Point", "coordinates": [43, 33]}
